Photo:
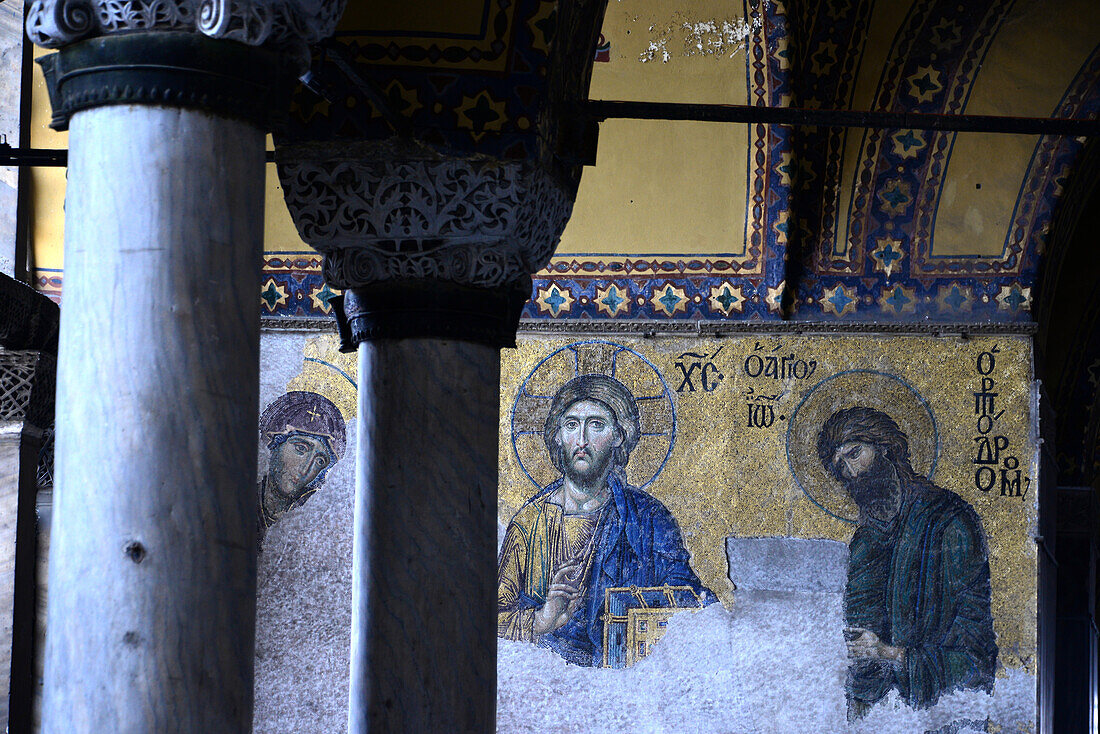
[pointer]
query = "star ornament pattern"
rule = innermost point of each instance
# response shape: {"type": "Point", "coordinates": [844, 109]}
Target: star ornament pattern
{"type": "Point", "coordinates": [554, 300]}
{"type": "Point", "coordinates": [320, 297]}
{"type": "Point", "coordinates": [887, 255]}
{"type": "Point", "coordinates": [669, 299]}
{"type": "Point", "coordinates": [955, 297]}
{"type": "Point", "coordinates": [612, 300]}
{"type": "Point", "coordinates": [899, 300]}
{"type": "Point", "coordinates": [1014, 298]}
{"type": "Point", "coordinates": [839, 301]}
{"type": "Point", "coordinates": [924, 84]}
{"type": "Point", "coordinates": [908, 143]}
{"type": "Point", "coordinates": [481, 113]}
{"type": "Point", "coordinates": [273, 295]}
{"type": "Point", "coordinates": [726, 298]}
{"type": "Point", "coordinates": [774, 297]}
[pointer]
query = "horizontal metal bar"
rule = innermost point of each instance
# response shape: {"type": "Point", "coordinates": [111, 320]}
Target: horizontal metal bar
{"type": "Point", "coordinates": [52, 157]}
{"type": "Point", "coordinates": [609, 109]}
{"type": "Point", "coordinates": [799, 117]}
{"type": "Point", "coordinates": [10, 156]}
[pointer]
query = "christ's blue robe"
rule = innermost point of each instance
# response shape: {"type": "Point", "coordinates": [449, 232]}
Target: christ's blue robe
{"type": "Point", "coordinates": [637, 543]}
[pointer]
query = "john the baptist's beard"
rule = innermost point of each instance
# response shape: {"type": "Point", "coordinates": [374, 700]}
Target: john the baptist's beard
{"type": "Point", "coordinates": [875, 488]}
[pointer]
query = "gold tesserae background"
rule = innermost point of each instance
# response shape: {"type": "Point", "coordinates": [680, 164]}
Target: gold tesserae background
{"type": "Point", "coordinates": [729, 429]}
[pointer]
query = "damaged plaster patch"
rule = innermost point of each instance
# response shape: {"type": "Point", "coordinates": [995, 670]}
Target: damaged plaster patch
{"type": "Point", "coordinates": [713, 671]}
{"type": "Point", "coordinates": [714, 37]}
{"type": "Point", "coordinates": [774, 664]}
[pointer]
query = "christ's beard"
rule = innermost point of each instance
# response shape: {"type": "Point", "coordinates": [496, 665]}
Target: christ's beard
{"type": "Point", "coordinates": [874, 491]}
{"type": "Point", "coordinates": [585, 476]}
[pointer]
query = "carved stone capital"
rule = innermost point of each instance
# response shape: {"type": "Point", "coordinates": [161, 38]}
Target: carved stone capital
{"type": "Point", "coordinates": [172, 52]}
{"type": "Point", "coordinates": [479, 223]}
{"type": "Point", "coordinates": [28, 355]}
{"type": "Point", "coordinates": [170, 68]}
{"type": "Point", "coordinates": [424, 244]}
{"type": "Point", "coordinates": [57, 23]}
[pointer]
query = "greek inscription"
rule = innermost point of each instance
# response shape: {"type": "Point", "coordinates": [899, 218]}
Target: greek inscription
{"type": "Point", "coordinates": [761, 416]}
{"type": "Point", "coordinates": [754, 366]}
{"type": "Point", "coordinates": [1010, 478]}
{"type": "Point", "coordinates": [987, 361]}
{"type": "Point", "coordinates": [989, 452]}
{"type": "Point", "coordinates": [699, 369]}
{"type": "Point", "coordinates": [984, 478]}
{"type": "Point", "coordinates": [985, 401]}
{"type": "Point", "coordinates": [687, 372]}
{"type": "Point", "coordinates": [992, 455]}
{"type": "Point", "coordinates": [778, 366]}
{"type": "Point", "coordinates": [760, 409]}
{"type": "Point", "coordinates": [709, 377]}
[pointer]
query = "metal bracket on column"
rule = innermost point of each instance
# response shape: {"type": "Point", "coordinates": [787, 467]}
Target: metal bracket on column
{"type": "Point", "coordinates": [429, 310]}
{"type": "Point", "coordinates": [170, 68]}
{"type": "Point", "coordinates": [577, 141]}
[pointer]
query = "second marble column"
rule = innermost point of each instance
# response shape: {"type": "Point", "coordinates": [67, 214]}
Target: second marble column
{"type": "Point", "coordinates": [425, 546]}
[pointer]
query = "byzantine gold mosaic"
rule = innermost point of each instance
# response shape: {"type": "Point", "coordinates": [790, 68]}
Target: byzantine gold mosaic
{"type": "Point", "coordinates": [729, 430]}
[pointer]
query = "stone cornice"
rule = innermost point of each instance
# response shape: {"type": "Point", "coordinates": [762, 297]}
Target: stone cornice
{"type": "Point", "coordinates": [718, 329]}
{"type": "Point", "coordinates": [709, 329]}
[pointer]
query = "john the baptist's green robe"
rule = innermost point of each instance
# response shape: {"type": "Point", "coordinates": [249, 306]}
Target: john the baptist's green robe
{"type": "Point", "coordinates": [921, 582]}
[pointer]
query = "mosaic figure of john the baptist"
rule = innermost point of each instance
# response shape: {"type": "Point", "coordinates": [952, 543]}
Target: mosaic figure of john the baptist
{"type": "Point", "coordinates": [587, 531]}
{"type": "Point", "coordinates": [917, 600]}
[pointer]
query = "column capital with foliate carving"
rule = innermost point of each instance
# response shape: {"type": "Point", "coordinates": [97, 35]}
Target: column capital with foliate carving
{"type": "Point", "coordinates": [57, 23]}
{"type": "Point", "coordinates": [436, 177]}
{"type": "Point", "coordinates": [173, 52]}
{"type": "Point", "coordinates": [380, 215]}
{"type": "Point", "coordinates": [426, 244]}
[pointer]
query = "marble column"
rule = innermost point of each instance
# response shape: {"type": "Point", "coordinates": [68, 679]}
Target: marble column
{"type": "Point", "coordinates": [153, 545]}
{"type": "Point", "coordinates": [428, 317]}
{"type": "Point", "coordinates": [158, 389]}
{"type": "Point", "coordinates": [21, 440]}
{"type": "Point", "coordinates": [423, 627]}
{"type": "Point", "coordinates": [14, 112]}
{"type": "Point", "coordinates": [431, 217]}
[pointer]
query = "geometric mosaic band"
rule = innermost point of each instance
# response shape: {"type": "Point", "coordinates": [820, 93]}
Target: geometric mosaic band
{"type": "Point", "coordinates": [659, 288]}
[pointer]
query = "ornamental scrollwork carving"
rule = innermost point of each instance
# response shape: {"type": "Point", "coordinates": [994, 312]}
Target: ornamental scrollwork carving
{"type": "Point", "coordinates": [257, 21]}
{"type": "Point", "coordinates": [480, 223]}
{"type": "Point", "coordinates": [55, 23]}
{"type": "Point", "coordinates": [44, 471]}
